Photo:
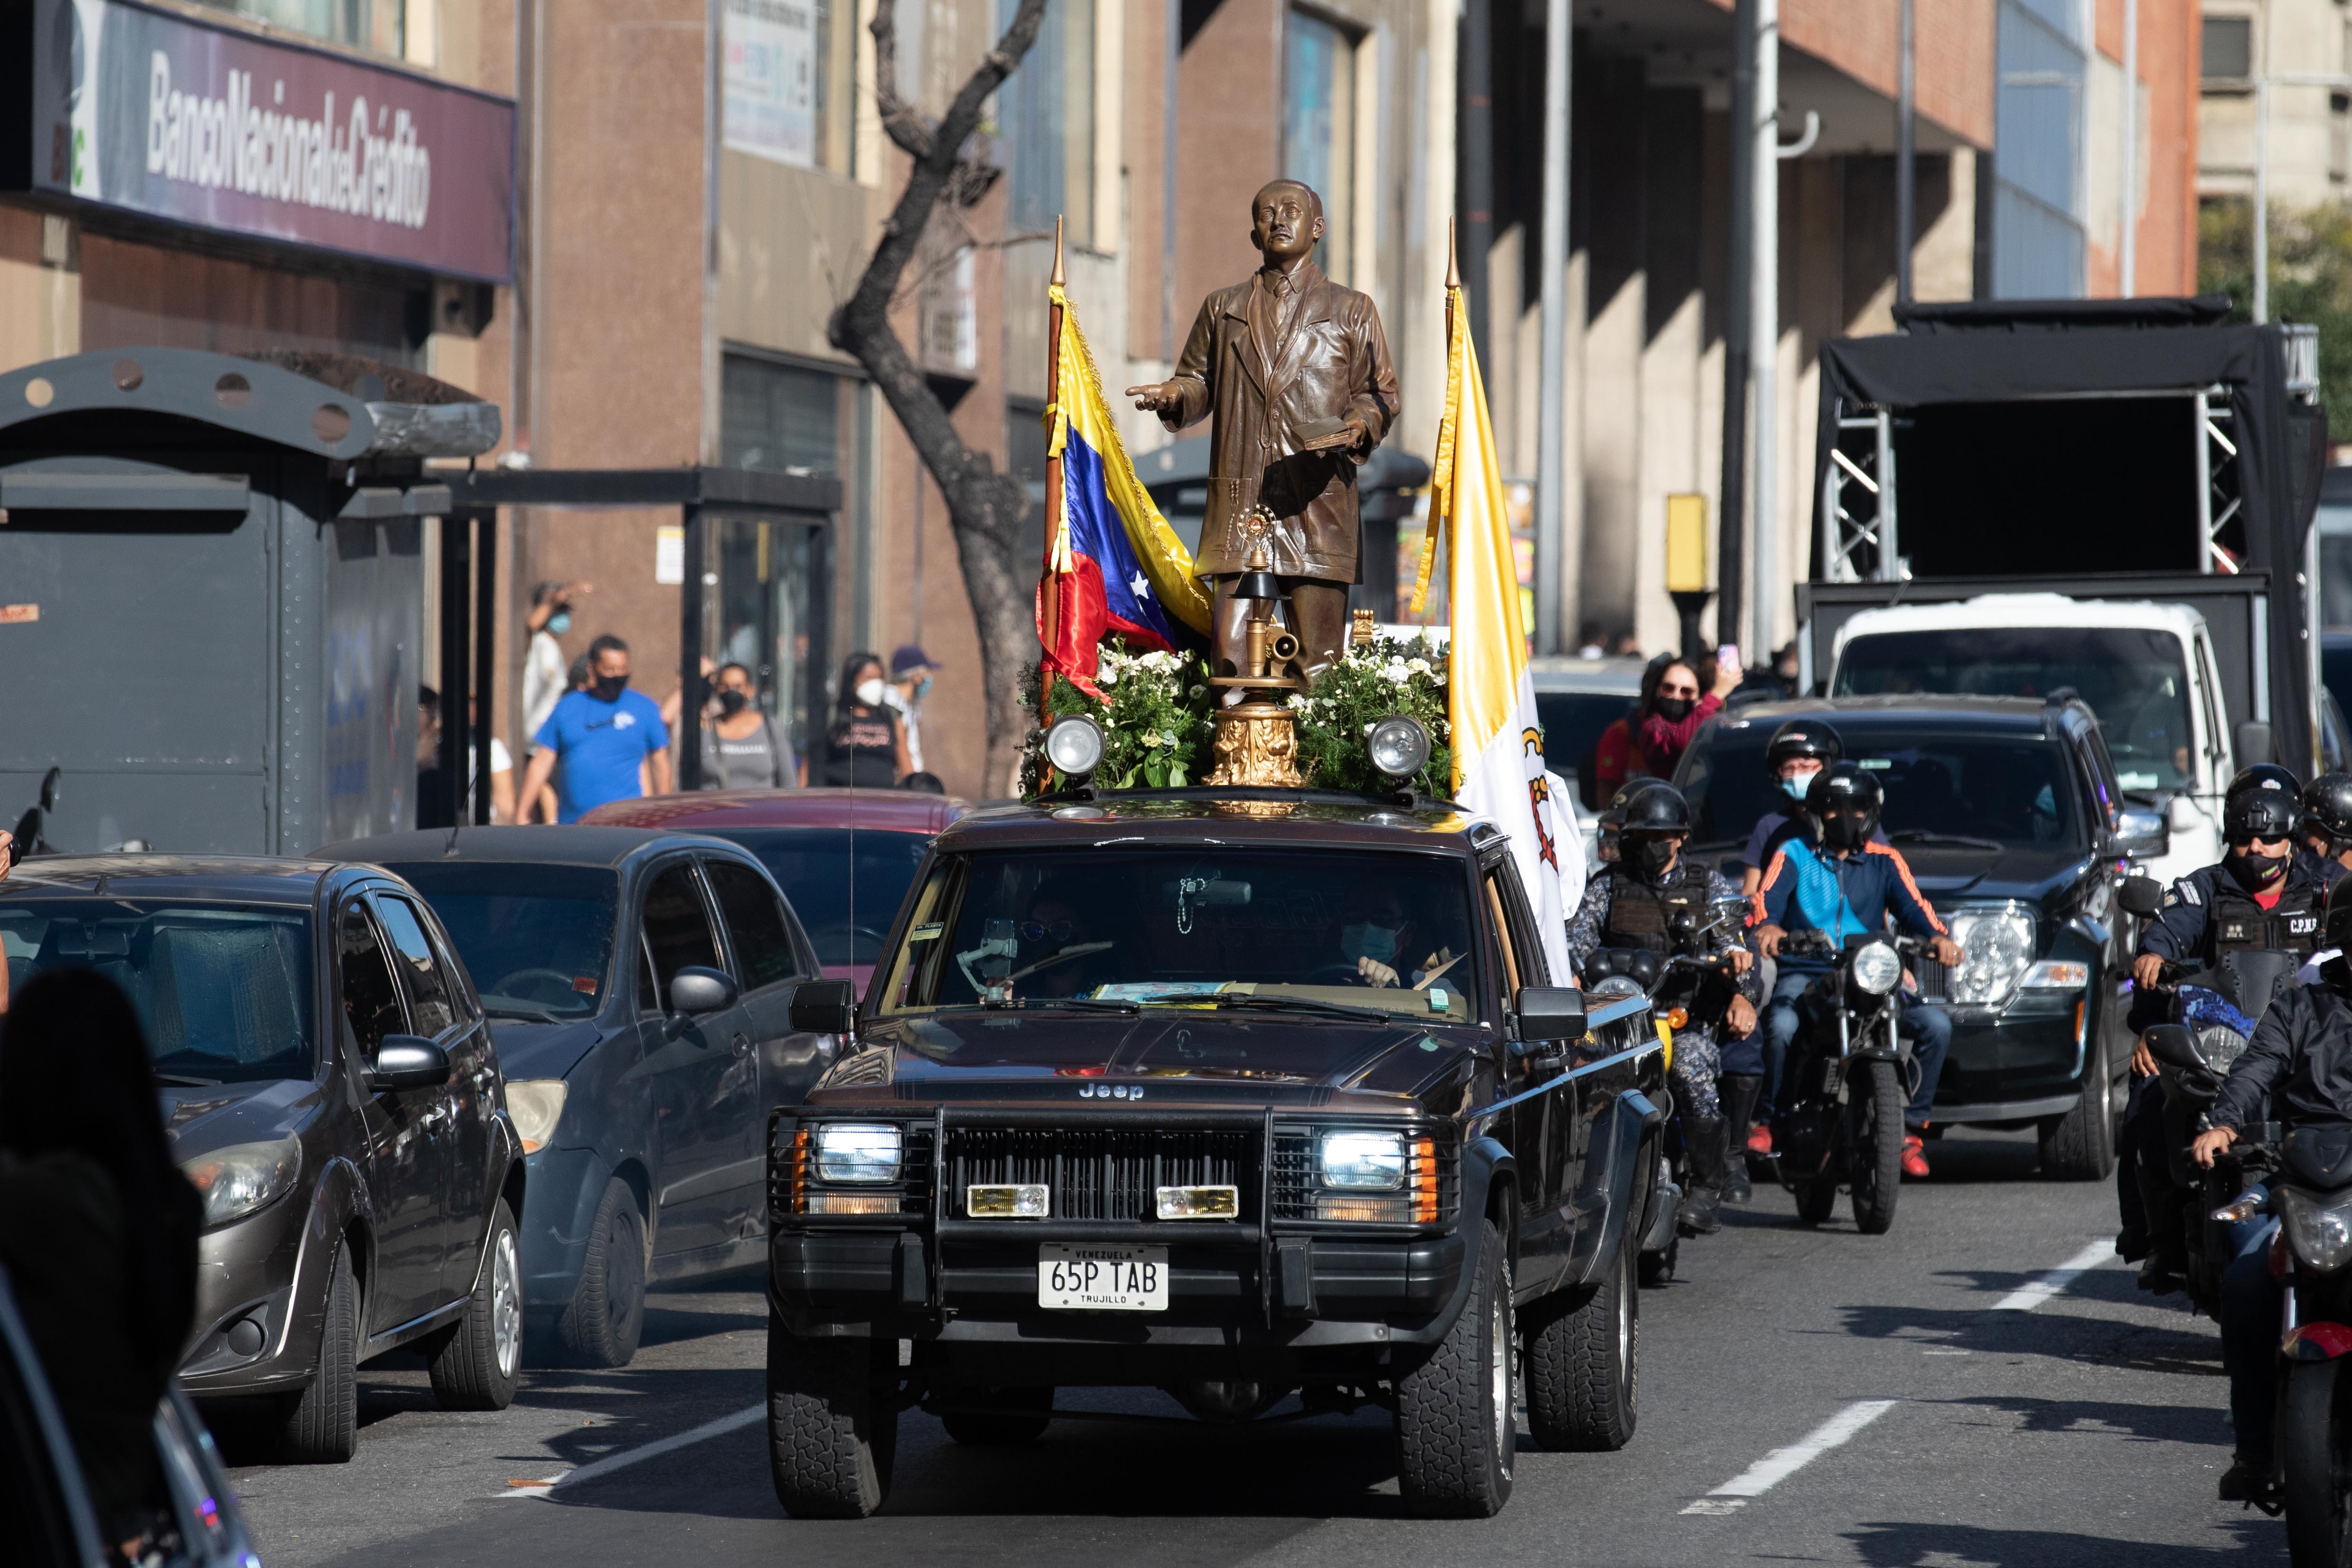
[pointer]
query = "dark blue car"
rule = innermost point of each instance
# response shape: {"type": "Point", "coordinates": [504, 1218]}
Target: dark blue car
{"type": "Point", "coordinates": [640, 987]}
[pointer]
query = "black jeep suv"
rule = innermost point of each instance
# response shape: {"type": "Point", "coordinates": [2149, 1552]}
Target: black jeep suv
{"type": "Point", "coordinates": [1235, 1094]}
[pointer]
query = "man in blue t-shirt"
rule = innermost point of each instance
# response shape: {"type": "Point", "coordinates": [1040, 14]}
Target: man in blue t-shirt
{"type": "Point", "coordinates": [600, 735]}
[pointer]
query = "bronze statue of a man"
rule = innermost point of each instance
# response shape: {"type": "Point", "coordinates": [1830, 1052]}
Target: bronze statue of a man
{"type": "Point", "coordinates": [1295, 371]}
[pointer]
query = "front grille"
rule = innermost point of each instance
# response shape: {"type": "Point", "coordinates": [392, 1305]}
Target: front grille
{"type": "Point", "coordinates": [1101, 1172]}
{"type": "Point", "coordinates": [791, 1170]}
{"type": "Point", "coordinates": [1432, 1174]}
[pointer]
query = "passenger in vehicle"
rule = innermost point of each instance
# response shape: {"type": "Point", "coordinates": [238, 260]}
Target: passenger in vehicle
{"type": "Point", "coordinates": [98, 1231]}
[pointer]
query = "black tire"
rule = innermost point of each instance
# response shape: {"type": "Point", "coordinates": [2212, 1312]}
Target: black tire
{"type": "Point", "coordinates": [1456, 1419]}
{"type": "Point", "coordinates": [1816, 1198]}
{"type": "Point", "coordinates": [1657, 1268]}
{"type": "Point", "coordinates": [1584, 1365]}
{"type": "Point", "coordinates": [1876, 1149]}
{"type": "Point", "coordinates": [478, 1362]}
{"type": "Point", "coordinates": [833, 1423]}
{"type": "Point", "coordinates": [2080, 1146]}
{"type": "Point", "coordinates": [1000, 1431]}
{"type": "Point", "coordinates": [322, 1424]}
{"type": "Point", "coordinates": [607, 1314]}
{"type": "Point", "coordinates": [2311, 1443]}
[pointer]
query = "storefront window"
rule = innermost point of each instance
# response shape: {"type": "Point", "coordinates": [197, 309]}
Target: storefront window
{"type": "Point", "coordinates": [377, 24]}
{"type": "Point", "coordinates": [1319, 127]}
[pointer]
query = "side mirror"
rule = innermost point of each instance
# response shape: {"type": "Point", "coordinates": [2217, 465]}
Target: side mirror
{"type": "Point", "coordinates": [2174, 1046]}
{"type": "Point", "coordinates": [2140, 896]}
{"type": "Point", "coordinates": [824, 1007]}
{"type": "Point", "coordinates": [2182, 813]}
{"type": "Point", "coordinates": [2254, 744]}
{"type": "Point", "coordinates": [407, 1061]}
{"type": "Point", "coordinates": [2140, 836]}
{"type": "Point", "coordinates": [695, 989]}
{"type": "Point", "coordinates": [1551, 1013]}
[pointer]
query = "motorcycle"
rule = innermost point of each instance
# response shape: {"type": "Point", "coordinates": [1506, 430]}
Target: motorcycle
{"type": "Point", "coordinates": [2309, 1175]}
{"type": "Point", "coordinates": [1687, 988]}
{"type": "Point", "coordinates": [2215, 1011]}
{"type": "Point", "coordinates": [1848, 1077]}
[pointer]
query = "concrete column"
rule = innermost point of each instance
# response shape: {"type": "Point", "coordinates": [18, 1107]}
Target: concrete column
{"type": "Point", "coordinates": [1614, 338]}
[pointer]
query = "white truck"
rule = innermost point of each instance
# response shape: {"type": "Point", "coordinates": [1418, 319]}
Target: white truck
{"type": "Point", "coordinates": [2148, 669]}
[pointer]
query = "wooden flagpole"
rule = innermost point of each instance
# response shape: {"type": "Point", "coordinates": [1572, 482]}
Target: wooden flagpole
{"type": "Point", "coordinates": [1050, 590]}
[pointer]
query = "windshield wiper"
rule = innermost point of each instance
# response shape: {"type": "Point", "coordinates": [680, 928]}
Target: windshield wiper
{"type": "Point", "coordinates": [1084, 1003]}
{"type": "Point", "coordinates": [1252, 1002]}
{"type": "Point", "coordinates": [1921, 835]}
{"type": "Point", "coordinates": [182, 1080]}
{"type": "Point", "coordinates": [527, 1014]}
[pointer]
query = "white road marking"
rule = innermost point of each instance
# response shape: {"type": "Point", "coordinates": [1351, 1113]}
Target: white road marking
{"type": "Point", "coordinates": [627, 1457]}
{"type": "Point", "coordinates": [2027, 1297]}
{"type": "Point", "coordinates": [1781, 1462]}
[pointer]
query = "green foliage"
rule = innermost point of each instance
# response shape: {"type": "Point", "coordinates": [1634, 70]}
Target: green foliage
{"type": "Point", "coordinates": [2310, 276]}
{"type": "Point", "coordinates": [1388, 676]}
{"type": "Point", "coordinates": [1156, 731]}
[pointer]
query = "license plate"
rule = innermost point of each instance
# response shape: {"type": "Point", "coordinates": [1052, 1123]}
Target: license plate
{"type": "Point", "coordinates": [1103, 1278]}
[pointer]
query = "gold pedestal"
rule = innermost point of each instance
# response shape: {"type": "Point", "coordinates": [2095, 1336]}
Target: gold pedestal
{"type": "Point", "coordinates": [1255, 746]}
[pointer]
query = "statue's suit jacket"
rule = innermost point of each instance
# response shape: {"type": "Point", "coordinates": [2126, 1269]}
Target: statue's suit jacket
{"type": "Point", "coordinates": [1332, 365]}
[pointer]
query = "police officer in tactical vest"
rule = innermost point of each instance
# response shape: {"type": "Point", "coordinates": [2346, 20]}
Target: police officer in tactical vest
{"type": "Point", "coordinates": [1652, 899]}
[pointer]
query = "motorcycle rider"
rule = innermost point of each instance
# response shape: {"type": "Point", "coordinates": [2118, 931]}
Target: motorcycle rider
{"type": "Point", "coordinates": [1837, 876]}
{"type": "Point", "coordinates": [1632, 903]}
{"type": "Point", "coordinates": [2325, 833]}
{"type": "Point", "coordinates": [2257, 896]}
{"type": "Point", "coordinates": [2298, 1063]}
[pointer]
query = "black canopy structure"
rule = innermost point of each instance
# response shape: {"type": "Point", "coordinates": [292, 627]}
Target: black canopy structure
{"type": "Point", "coordinates": [211, 569]}
{"type": "Point", "coordinates": [2057, 438]}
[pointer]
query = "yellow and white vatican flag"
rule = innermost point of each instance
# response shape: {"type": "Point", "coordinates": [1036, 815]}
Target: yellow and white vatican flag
{"type": "Point", "coordinates": [1499, 763]}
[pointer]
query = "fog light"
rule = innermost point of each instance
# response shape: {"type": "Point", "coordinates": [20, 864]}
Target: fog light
{"type": "Point", "coordinates": [1075, 745]}
{"type": "Point", "coordinates": [1200, 1202]}
{"type": "Point", "coordinates": [852, 1203]}
{"type": "Point", "coordinates": [1391, 1210]}
{"type": "Point", "coordinates": [1398, 747]}
{"type": "Point", "coordinates": [1030, 1200]}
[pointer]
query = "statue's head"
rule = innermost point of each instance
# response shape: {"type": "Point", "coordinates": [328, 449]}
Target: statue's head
{"type": "Point", "coordinates": [1286, 220]}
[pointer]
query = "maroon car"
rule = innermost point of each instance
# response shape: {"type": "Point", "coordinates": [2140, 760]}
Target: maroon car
{"type": "Point", "coordinates": [844, 857]}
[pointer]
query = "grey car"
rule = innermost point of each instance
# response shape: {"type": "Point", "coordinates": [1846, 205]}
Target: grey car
{"type": "Point", "coordinates": [641, 984]}
{"type": "Point", "coordinates": [331, 1089]}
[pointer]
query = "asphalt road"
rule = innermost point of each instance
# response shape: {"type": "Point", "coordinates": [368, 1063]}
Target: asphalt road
{"type": "Point", "coordinates": [1986, 1419]}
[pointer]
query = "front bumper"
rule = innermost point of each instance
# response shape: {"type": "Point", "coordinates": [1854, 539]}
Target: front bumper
{"type": "Point", "coordinates": [2022, 1062]}
{"type": "Point", "coordinates": [561, 1188]}
{"type": "Point", "coordinates": [261, 1285]}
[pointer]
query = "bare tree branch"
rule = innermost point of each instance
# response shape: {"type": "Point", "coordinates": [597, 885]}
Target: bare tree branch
{"type": "Point", "coordinates": [985, 508]}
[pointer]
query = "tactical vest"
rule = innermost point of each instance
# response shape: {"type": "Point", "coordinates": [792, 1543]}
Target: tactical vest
{"type": "Point", "coordinates": [1642, 914]}
{"type": "Point", "coordinates": [2236, 923]}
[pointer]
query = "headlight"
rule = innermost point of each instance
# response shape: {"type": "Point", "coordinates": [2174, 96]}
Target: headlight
{"type": "Point", "coordinates": [243, 1177]}
{"type": "Point", "coordinates": [1398, 747]}
{"type": "Point", "coordinates": [1075, 745]}
{"type": "Point", "coordinates": [1363, 1160]}
{"type": "Point", "coordinates": [1875, 969]}
{"type": "Point", "coordinates": [535, 1104]}
{"type": "Point", "coordinates": [2219, 1045]}
{"type": "Point", "coordinates": [857, 1151]}
{"type": "Point", "coordinates": [1995, 947]}
{"type": "Point", "coordinates": [2318, 1229]}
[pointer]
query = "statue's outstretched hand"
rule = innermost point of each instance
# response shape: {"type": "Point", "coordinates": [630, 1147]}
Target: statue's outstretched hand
{"type": "Point", "coordinates": [1157, 397]}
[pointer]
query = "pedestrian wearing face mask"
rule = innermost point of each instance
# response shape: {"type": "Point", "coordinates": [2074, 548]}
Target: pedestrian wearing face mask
{"type": "Point", "coordinates": [610, 740]}
{"type": "Point", "coordinates": [1632, 904]}
{"type": "Point", "coordinates": [866, 745]}
{"type": "Point", "coordinates": [1676, 708]}
{"type": "Point", "coordinates": [910, 681]}
{"type": "Point", "coordinates": [742, 747]}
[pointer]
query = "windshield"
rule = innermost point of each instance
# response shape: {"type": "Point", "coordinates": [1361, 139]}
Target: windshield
{"type": "Point", "coordinates": [223, 991]}
{"type": "Point", "coordinates": [2134, 679]}
{"type": "Point", "coordinates": [1183, 926]}
{"type": "Point", "coordinates": [2004, 790]}
{"type": "Point", "coordinates": [845, 886]}
{"type": "Point", "coordinates": [538, 940]}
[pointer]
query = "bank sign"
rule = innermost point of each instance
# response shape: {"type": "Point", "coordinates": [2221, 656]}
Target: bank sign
{"type": "Point", "coordinates": [212, 126]}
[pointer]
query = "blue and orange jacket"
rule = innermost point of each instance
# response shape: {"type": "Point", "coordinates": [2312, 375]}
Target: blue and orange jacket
{"type": "Point", "coordinates": [1808, 888]}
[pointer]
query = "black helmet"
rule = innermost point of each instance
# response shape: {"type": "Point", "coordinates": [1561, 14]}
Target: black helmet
{"type": "Point", "coordinates": [2262, 776]}
{"type": "Point", "coordinates": [1802, 738]}
{"type": "Point", "coordinates": [1652, 805]}
{"type": "Point", "coordinates": [2327, 809]}
{"type": "Point", "coordinates": [2263, 811]}
{"type": "Point", "coordinates": [1844, 802]}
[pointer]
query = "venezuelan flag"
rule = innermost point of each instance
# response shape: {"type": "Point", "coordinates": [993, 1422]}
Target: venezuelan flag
{"type": "Point", "coordinates": [1115, 564]}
